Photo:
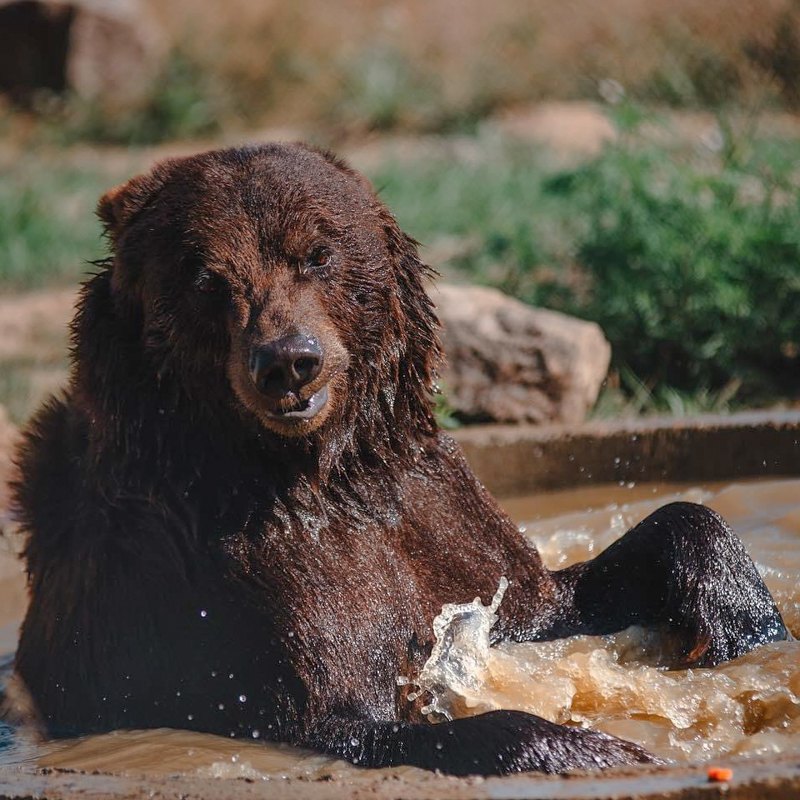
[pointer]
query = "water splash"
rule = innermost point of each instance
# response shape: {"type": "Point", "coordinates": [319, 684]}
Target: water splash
{"type": "Point", "coordinates": [612, 683]}
{"type": "Point", "coordinates": [454, 672]}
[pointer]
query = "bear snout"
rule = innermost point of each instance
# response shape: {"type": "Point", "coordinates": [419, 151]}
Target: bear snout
{"type": "Point", "coordinates": [280, 369]}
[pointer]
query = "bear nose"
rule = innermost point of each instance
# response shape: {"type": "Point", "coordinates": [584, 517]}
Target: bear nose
{"type": "Point", "coordinates": [285, 365]}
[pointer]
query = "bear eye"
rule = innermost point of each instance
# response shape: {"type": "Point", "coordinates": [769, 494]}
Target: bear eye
{"type": "Point", "coordinates": [317, 258]}
{"type": "Point", "coordinates": [207, 282]}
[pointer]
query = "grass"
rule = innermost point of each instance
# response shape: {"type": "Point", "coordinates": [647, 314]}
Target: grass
{"type": "Point", "coordinates": [490, 214]}
{"type": "Point", "coordinates": [692, 264]}
{"type": "Point", "coordinates": [48, 231]}
{"type": "Point", "coordinates": [48, 236]}
{"type": "Point", "coordinates": [626, 395]}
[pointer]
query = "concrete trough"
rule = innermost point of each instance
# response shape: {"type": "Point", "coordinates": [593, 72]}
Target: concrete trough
{"type": "Point", "coordinates": [516, 460]}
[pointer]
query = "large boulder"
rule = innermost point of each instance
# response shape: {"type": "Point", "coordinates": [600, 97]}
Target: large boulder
{"type": "Point", "coordinates": [510, 362]}
{"type": "Point", "coordinates": [103, 50]}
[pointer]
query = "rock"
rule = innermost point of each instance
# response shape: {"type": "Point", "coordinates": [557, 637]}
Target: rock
{"type": "Point", "coordinates": [103, 50]}
{"type": "Point", "coordinates": [510, 362]}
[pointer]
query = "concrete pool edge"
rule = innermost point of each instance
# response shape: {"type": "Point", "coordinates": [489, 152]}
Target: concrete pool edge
{"type": "Point", "coordinates": [762, 778]}
{"type": "Point", "coordinates": [516, 460]}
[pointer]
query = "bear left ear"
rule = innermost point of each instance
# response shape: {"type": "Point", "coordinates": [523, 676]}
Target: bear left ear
{"type": "Point", "coordinates": [117, 207]}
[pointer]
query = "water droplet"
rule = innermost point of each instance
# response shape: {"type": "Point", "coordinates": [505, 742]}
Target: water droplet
{"type": "Point", "coordinates": [204, 613]}
{"type": "Point", "coordinates": [439, 745]}
{"type": "Point", "coordinates": [256, 734]}
{"type": "Point", "coordinates": [220, 706]}
{"type": "Point", "coordinates": [190, 717]}
{"type": "Point", "coordinates": [242, 698]}
{"type": "Point", "coordinates": [354, 742]}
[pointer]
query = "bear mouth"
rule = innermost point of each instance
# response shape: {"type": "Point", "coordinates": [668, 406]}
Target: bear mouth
{"type": "Point", "coordinates": [304, 409]}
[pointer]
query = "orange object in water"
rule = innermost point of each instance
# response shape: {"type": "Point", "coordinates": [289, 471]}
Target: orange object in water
{"type": "Point", "coordinates": [719, 774]}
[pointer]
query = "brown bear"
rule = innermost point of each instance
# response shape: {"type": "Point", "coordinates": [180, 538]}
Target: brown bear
{"type": "Point", "coordinates": [241, 517]}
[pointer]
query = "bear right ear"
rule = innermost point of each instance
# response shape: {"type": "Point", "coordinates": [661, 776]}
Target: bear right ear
{"type": "Point", "coordinates": [117, 207]}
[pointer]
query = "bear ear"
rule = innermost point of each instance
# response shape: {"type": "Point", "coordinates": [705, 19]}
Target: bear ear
{"type": "Point", "coordinates": [118, 206]}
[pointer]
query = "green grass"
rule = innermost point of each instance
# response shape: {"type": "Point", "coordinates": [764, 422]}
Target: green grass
{"type": "Point", "coordinates": [48, 231]}
{"type": "Point", "coordinates": [692, 265]}
{"type": "Point", "coordinates": [491, 215]}
{"type": "Point", "coordinates": [625, 395]}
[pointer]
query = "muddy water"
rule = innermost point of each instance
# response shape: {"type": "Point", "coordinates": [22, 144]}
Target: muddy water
{"type": "Point", "coordinates": [750, 706]}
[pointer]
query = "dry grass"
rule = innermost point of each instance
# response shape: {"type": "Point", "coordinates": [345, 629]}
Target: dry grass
{"type": "Point", "coordinates": [425, 62]}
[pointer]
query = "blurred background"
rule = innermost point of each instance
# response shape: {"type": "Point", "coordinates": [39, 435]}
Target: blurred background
{"type": "Point", "coordinates": [632, 162]}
